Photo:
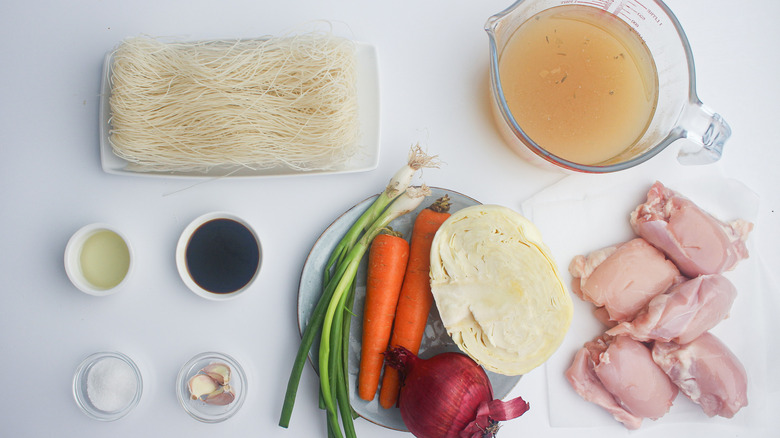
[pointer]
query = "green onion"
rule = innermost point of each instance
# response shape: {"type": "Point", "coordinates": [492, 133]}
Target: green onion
{"type": "Point", "coordinates": [406, 203]}
{"type": "Point", "coordinates": [337, 296]}
{"type": "Point", "coordinates": [398, 183]}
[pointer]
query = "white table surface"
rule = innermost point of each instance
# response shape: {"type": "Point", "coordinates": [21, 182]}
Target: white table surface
{"type": "Point", "coordinates": [433, 74]}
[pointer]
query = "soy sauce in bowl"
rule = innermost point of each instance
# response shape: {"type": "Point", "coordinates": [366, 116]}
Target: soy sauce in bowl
{"type": "Point", "coordinates": [218, 256]}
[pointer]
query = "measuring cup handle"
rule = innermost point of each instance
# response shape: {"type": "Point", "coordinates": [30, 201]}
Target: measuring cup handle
{"type": "Point", "coordinates": [708, 132]}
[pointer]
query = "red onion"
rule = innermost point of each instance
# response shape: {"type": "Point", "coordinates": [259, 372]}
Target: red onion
{"type": "Point", "coordinates": [449, 396]}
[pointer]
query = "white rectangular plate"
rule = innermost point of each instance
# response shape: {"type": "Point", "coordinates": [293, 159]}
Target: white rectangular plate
{"type": "Point", "coordinates": [366, 159]}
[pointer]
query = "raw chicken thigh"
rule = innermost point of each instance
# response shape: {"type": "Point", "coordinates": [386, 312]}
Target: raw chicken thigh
{"type": "Point", "coordinates": [663, 288]}
{"type": "Point", "coordinates": [618, 374]}
{"type": "Point", "coordinates": [682, 313]}
{"type": "Point", "coordinates": [694, 240]}
{"type": "Point", "coordinates": [707, 372]}
{"type": "Point", "coordinates": [624, 278]}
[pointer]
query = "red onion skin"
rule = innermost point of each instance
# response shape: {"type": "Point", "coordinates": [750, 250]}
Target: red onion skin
{"type": "Point", "coordinates": [449, 396]}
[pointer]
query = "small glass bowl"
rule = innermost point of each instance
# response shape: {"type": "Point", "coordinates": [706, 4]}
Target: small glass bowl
{"type": "Point", "coordinates": [200, 410]}
{"type": "Point", "coordinates": [80, 390]}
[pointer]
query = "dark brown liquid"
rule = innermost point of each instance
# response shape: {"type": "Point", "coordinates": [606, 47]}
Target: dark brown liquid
{"type": "Point", "coordinates": [222, 256]}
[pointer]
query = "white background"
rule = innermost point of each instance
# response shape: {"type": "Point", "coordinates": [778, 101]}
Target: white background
{"type": "Point", "coordinates": [433, 60]}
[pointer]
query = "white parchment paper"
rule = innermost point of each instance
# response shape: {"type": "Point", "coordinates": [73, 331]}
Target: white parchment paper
{"type": "Point", "coordinates": [582, 213]}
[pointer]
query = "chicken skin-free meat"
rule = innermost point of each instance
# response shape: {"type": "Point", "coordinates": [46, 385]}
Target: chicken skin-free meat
{"type": "Point", "coordinates": [693, 239]}
{"type": "Point", "coordinates": [707, 372]}
{"type": "Point", "coordinates": [624, 278]}
{"type": "Point", "coordinates": [582, 377]}
{"type": "Point", "coordinates": [684, 312]}
{"type": "Point", "coordinates": [619, 374]}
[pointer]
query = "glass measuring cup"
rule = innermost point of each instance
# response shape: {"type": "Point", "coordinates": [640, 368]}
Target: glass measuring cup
{"type": "Point", "coordinates": [678, 114]}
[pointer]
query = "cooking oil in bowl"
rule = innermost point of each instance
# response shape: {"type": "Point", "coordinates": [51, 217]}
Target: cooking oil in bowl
{"type": "Point", "coordinates": [579, 82]}
{"type": "Point", "coordinates": [98, 259]}
{"type": "Point", "coordinates": [105, 259]}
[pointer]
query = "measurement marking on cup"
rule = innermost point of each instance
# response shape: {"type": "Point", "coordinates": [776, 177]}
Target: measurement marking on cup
{"type": "Point", "coordinates": [601, 4]}
{"type": "Point", "coordinates": [636, 12]}
{"type": "Point", "coordinates": [640, 4]}
{"type": "Point", "coordinates": [628, 18]}
{"type": "Point", "coordinates": [642, 15]}
{"type": "Point", "coordinates": [598, 4]}
{"type": "Point", "coordinates": [655, 18]}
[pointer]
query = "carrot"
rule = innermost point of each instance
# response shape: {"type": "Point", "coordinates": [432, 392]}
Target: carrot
{"type": "Point", "coordinates": [386, 266]}
{"type": "Point", "coordinates": [416, 299]}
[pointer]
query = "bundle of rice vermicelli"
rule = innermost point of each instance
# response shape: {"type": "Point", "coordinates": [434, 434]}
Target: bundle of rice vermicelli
{"type": "Point", "coordinates": [288, 101]}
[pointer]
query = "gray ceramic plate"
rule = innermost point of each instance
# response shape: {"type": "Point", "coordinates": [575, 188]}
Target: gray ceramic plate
{"type": "Point", "coordinates": [435, 340]}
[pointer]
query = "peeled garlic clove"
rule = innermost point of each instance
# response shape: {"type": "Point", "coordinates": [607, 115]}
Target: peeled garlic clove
{"type": "Point", "coordinates": [224, 395]}
{"type": "Point", "coordinates": [218, 371]}
{"type": "Point", "coordinates": [200, 385]}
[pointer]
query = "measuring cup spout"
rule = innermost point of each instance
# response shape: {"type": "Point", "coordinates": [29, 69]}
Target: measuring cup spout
{"type": "Point", "coordinates": [708, 132]}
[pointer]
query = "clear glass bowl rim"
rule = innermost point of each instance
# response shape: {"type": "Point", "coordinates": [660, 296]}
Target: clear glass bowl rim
{"type": "Point", "coordinates": [237, 371]}
{"type": "Point", "coordinates": [82, 399]}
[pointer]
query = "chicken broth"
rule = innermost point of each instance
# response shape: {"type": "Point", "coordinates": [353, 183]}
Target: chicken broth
{"type": "Point", "coordinates": [580, 83]}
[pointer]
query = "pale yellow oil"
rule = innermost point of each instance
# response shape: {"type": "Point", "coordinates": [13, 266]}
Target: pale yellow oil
{"type": "Point", "coordinates": [580, 82]}
{"type": "Point", "coordinates": [105, 259]}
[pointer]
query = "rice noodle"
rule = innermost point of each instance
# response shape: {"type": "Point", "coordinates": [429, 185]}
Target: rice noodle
{"type": "Point", "coordinates": [288, 101]}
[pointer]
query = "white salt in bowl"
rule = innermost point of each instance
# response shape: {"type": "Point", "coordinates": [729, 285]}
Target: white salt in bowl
{"type": "Point", "coordinates": [107, 386]}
